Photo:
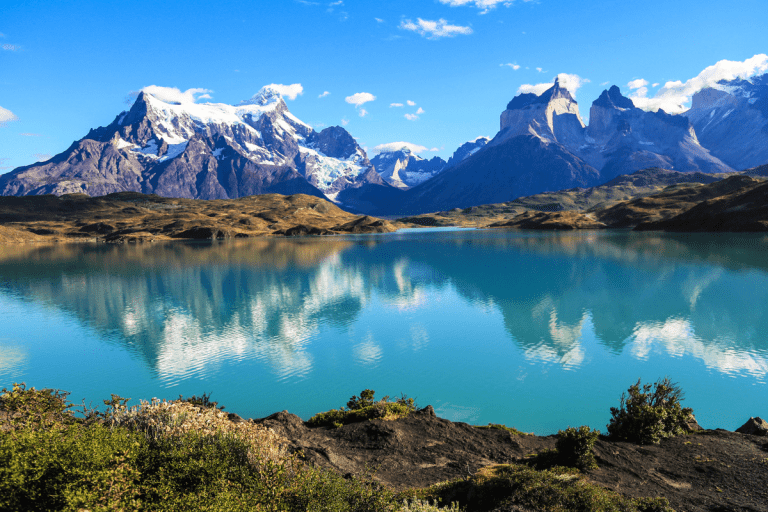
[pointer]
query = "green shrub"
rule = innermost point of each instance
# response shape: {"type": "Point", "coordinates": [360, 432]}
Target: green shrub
{"type": "Point", "coordinates": [364, 408]}
{"type": "Point", "coordinates": [650, 413]}
{"type": "Point", "coordinates": [32, 407]}
{"type": "Point", "coordinates": [557, 490]}
{"type": "Point", "coordinates": [574, 447]}
{"type": "Point", "coordinates": [498, 426]}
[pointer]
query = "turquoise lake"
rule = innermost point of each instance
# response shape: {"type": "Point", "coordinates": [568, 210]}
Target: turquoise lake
{"type": "Point", "coordinates": [534, 330]}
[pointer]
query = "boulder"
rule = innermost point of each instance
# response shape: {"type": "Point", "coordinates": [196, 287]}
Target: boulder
{"type": "Point", "coordinates": [754, 427]}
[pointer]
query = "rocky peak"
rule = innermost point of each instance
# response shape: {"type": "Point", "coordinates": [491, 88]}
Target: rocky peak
{"type": "Point", "coordinates": [612, 98]}
{"type": "Point", "coordinates": [336, 142]}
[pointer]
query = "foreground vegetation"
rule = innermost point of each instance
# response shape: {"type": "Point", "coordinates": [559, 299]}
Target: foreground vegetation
{"type": "Point", "coordinates": [187, 455]}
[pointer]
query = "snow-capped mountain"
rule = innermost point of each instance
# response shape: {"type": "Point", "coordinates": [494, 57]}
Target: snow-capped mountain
{"type": "Point", "coordinates": [731, 120]}
{"type": "Point", "coordinates": [203, 151]}
{"type": "Point", "coordinates": [404, 169]}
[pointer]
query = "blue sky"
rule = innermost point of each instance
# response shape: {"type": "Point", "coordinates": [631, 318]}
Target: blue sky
{"type": "Point", "coordinates": [66, 67]}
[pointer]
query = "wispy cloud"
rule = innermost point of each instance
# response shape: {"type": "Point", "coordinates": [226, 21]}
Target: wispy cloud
{"type": "Point", "coordinates": [360, 98]}
{"type": "Point", "coordinates": [173, 94]}
{"type": "Point", "coordinates": [42, 157]}
{"type": "Point", "coordinates": [411, 103]}
{"type": "Point", "coordinates": [379, 20]}
{"type": "Point", "coordinates": [396, 105]}
{"type": "Point", "coordinates": [6, 116]}
{"type": "Point", "coordinates": [411, 117]}
{"type": "Point", "coordinates": [363, 112]}
{"type": "Point", "coordinates": [674, 96]}
{"type": "Point", "coordinates": [344, 122]}
{"type": "Point", "coordinates": [485, 5]}
{"type": "Point", "coordinates": [11, 47]}
{"type": "Point", "coordinates": [570, 82]}
{"type": "Point", "coordinates": [420, 111]}
{"type": "Point", "coordinates": [30, 135]}
{"type": "Point", "coordinates": [288, 91]}
{"type": "Point", "coordinates": [390, 147]}
{"type": "Point", "coordinates": [511, 65]}
{"type": "Point", "coordinates": [4, 161]}
{"type": "Point", "coordinates": [434, 29]}
{"type": "Point", "coordinates": [326, 93]}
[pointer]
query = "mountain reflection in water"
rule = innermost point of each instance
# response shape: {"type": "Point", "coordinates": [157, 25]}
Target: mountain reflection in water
{"type": "Point", "coordinates": [187, 310]}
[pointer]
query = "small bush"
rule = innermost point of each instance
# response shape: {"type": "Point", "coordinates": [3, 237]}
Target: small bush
{"type": "Point", "coordinates": [574, 447]}
{"type": "Point", "coordinates": [498, 426]}
{"type": "Point", "coordinates": [557, 489]}
{"type": "Point", "coordinates": [35, 408]}
{"type": "Point", "coordinates": [650, 413]}
{"type": "Point", "coordinates": [364, 408]}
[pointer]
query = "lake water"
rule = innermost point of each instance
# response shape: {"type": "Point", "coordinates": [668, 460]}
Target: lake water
{"type": "Point", "coordinates": [535, 330]}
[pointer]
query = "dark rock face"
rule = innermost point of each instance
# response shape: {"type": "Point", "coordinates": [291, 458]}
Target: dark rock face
{"type": "Point", "coordinates": [754, 427]}
{"type": "Point", "coordinates": [612, 98]}
{"type": "Point", "coordinates": [335, 142]}
{"type": "Point", "coordinates": [466, 150]}
{"type": "Point", "coordinates": [519, 166]}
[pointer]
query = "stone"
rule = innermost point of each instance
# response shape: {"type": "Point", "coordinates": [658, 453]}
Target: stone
{"type": "Point", "coordinates": [754, 427]}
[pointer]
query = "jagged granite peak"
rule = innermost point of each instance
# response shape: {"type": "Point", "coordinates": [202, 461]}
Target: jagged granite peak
{"type": "Point", "coordinates": [201, 151]}
{"type": "Point", "coordinates": [466, 150]}
{"type": "Point", "coordinates": [731, 120]}
{"type": "Point", "coordinates": [404, 169]}
{"type": "Point", "coordinates": [552, 116]}
{"type": "Point", "coordinates": [612, 98]}
{"type": "Point", "coordinates": [622, 138]}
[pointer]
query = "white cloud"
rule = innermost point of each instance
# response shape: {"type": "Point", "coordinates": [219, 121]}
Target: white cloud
{"type": "Point", "coordinates": [605, 83]}
{"type": "Point", "coordinates": [396, 105]}
{"type": "Point", "coordinates": [363, 112]}
{"type": "Point", "coordinates": [434, 29]}
{"type": "Point", "coordinates": [42, 157]}
{"type": "Point", "coordinates": [344, 122]}
{"type": "Point", "coordinates": [411, 103]}
{"type": "Point", "coordinates": [411, 117]}
{"type": "Point", "coordinates": [655, 85]}
{"type": "Point", "coordinates": [30, 135]}
{"type": "Point", "coordinates": [674, 96]}
{"type": "Point", "coordinates": [420, 111]}
{"type": "Point", "coordinates": [11, 47]}
{"type": "Point", "coordinates": [326, 93]}
{"type": "Point", "coordinates": [6, 116]}
{"type": "Point", "coordinates": [379, 20]}
{"type": "Point", "coordinates": [397, 146]}
{"type": "Point", "coordinates": [434, 149]}
{"type": "Point", "coordinates": [174, 95]}
{"type": "Point", "coordinates": [485, 5]}
{"type": "Point", "coordinates": [4, 161]}
{"type": "Point", "coordinates": [540, 70]}
{"type": "Point", "coordinates": [570, 82]}
{"type": "Point", "coordinates": [637, 84]}
{"type": "Point", "coordinates": [509, 64]}
{"type": "Point", "coordinates": [288, 91]}
{"type": "Point", "coordinates": [359, 98]}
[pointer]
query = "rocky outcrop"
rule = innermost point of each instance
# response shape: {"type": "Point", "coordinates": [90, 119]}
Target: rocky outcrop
{"type": "Point", "coordinates": [466, 150]}
{"type": "Point", "coordinates": [754, 427]}
{"type": "Point", "coordinates": [549, 221]}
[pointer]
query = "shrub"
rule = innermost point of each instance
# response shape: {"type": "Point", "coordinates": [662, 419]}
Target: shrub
{"type": "Point", "coordinates": [364, 408]}
{"type": "Point", "coordinates": [498, 426]}
{"type": "Point", "coordinates": [36, 408]}
{"type": "Point", "coordinates": [558, 489]}
{"type": "Point", "coordinates": [650, 413]}
{"type": "Point", "coordinates": [574, 447]}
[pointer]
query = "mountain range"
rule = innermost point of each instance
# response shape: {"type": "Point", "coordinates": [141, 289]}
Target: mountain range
{"type": "Point", "coordinates": [218, 151]}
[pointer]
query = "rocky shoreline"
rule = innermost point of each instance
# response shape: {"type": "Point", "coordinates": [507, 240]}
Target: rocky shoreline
{"type": "Point", "coordinates": [703, 470]}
